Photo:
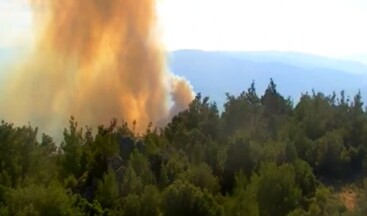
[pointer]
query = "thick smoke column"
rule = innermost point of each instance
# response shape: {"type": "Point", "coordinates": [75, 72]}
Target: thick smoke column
{"type": "Point", "coordinates": [96, 60]}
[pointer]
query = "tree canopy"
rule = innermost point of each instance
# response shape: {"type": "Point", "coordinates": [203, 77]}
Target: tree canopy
{"type": "Point", "coordinates": [262, 156]}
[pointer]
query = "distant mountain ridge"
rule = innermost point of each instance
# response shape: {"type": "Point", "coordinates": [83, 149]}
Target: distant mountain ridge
{"type": "Point", "coordinates": [213, 73]}
{"type": "Point", "coordinates": [360, 57]}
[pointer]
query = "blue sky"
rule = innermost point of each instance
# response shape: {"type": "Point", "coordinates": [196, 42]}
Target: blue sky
{"type": "Point", "coordinates": [324, 27]}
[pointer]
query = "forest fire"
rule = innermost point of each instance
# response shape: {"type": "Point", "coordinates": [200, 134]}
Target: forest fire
{"type": "Point", "coordinates": [96, 60]}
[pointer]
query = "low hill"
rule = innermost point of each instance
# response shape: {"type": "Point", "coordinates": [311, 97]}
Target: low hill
{"type": "Point", "coordinates": [215, 72]}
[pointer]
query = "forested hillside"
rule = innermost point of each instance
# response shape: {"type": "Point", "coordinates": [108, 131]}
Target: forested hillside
{"type": "Point", "coordinates": [262, 156]}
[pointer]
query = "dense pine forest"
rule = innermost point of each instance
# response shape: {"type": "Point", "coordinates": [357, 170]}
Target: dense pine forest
{"type": "Point", "coordinates": [263, 155]}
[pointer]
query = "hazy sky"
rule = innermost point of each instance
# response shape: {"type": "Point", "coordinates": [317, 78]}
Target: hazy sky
{"type": "Point", "coordinates": [325, 27]}
{"type": "Point", "coordinates": [15, 22]}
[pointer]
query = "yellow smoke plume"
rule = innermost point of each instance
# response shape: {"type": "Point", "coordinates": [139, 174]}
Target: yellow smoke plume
{"type": "Point", "coordinates": [96, 60]}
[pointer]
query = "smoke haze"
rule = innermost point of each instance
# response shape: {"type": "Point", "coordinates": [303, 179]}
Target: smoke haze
{"type": "Point", "coordinates": [96, 60]}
